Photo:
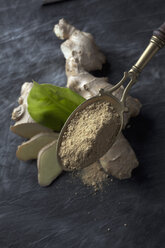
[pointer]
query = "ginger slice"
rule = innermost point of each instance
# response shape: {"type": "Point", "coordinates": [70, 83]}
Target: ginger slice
{"type": "Point", "coordinates": [30, 149]}
{"type": "Point", "coordinates": [28, 130]}
{"type": "Point", "coordinates": [48, 166]}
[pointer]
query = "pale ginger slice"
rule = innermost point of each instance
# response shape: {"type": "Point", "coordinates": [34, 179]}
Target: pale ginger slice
{"type": "Point", "coordinates": [48, 166]}
{"type": "Point", "coordinates": [25, 126]}
{"type": "Point", "coordinates": [120, 160]}
{"type": "Point", "coordinates": [30, 149]}
{"type": "Point", "coordinates": [28, 130]}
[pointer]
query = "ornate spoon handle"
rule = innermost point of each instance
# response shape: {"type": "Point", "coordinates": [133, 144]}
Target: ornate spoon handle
{"type": "Point", "coordinates": [157, 41]}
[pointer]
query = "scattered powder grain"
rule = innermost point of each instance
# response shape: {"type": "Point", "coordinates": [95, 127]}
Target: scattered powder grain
{"type": "Point", "coordinates": [89, 135]}
{"type": "Point", "coordinates": [94, 176]}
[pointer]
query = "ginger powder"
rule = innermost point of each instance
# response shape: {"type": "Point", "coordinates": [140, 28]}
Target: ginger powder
{"type": "Point", "coordinates": [88, 135]}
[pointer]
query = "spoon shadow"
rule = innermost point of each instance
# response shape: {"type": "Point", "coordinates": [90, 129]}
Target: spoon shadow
{"type": "Point", "coordinates": [139, 136]}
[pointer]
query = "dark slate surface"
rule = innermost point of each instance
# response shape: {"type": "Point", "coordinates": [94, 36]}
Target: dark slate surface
{"type": "Point", "coordinates": [67, 214]}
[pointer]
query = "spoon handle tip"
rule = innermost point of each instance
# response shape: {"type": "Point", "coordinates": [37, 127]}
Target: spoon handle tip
{"type": "Point", "coordinates": [160, 32]}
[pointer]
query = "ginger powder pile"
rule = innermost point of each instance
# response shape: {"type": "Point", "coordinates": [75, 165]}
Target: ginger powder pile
{"type": "Point", "coordinates": [88, 135]}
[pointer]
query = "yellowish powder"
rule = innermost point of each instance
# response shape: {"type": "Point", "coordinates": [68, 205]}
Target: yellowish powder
{"type": "Point", "coordinates": [94, 176]}
{"type": "Point", "coordinates": [89, 135]}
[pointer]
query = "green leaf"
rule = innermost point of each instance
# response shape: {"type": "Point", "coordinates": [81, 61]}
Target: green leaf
{"type": "Point", "coordinates": [51, 105]}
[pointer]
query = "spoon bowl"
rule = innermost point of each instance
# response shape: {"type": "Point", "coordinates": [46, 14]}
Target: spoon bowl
{"type": "Point", "coordinates": [103, 97]}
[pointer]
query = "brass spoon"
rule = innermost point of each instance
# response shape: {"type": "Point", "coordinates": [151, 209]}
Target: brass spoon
{"type": "Point", "coordinates": [157, 41]}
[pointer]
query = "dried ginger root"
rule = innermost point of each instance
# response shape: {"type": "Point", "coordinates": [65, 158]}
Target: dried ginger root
{"type": "Point", "coordinates": [89, 56]}
{"type": "Point", "coordinates": [120, 160]}
{"type": "Point", "coordinates": [82, 56]}
{"type": "Point", "coordinates": [24, 125]}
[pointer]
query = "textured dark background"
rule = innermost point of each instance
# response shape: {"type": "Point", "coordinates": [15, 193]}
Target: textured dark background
{"type": "Point", "coordinates": [67, 214]}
